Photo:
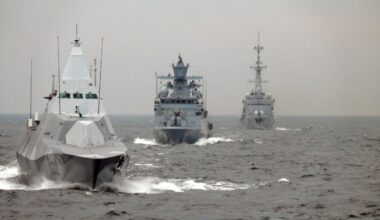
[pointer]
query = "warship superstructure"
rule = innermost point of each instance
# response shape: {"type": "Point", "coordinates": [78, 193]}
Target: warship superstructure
{"type": "Point", "coordinates": [257, 105]}
{"type": "Point", "coordinates": [180, 107]}
{"type": "Point", "coordinates": [73, 141]}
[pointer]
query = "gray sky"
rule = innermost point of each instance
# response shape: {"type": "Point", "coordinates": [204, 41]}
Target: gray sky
{"type": "Point", "coordinates": [323, 56]}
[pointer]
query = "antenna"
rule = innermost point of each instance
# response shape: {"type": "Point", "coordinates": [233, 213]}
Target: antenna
{"type": "Point", "coordinates": [31, 89]}
{"type": "Point", "coordinates": [52, 85]}
{"type": "Point", "coordinates": [76, 31]}
{"type": "Point", "coordinates": [205, 94]}
{"type": "Point", "coordinates": [76, 40]}
{"type": "Point", "coordinates": [100, 73]}
{"type": "Point", "coordinates": [156, 85]}
{"type": "Point", "coordinates": [59, 78]}
{"type": "Point", "coordinates": [258, 67]}
{"type": "Point", "coordinates": [258, 38]}
{"type": "Point", "coordinates": [95, 71]}
{"type": "Point", "coordinates": [90, 71]}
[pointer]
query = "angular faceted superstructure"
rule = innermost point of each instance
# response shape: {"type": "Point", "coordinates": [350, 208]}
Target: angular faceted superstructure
{"type": "Point", "coordinates": [74, 140]}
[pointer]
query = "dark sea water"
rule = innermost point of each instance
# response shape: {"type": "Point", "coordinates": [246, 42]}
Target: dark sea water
{"type": "Point", "coordinates": [306, 168]}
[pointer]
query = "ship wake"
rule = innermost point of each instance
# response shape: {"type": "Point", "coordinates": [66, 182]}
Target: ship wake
{"type": "Point", "coordinates": [154, 185]}
{"type": "Point", "coordinates": [12, 179]}
{"type": "Point", "coordinates": [212, 140]}
{"type": "Point", "coordinates": [145, 142]}
{"type": "Point", "coordinates": [287, 129]}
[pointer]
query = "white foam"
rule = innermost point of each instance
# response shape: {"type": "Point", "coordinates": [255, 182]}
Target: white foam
{"type": "Point", "coordinates": [147, 142]}
{"type": "Point", "coordinates": [167, 186]}
{"type": "Point", "coordinates": [48, 184]}
{"type": "Point", "coordinates": [264, 184]}
{"type": "Point", "coordinates": [212, 140]}
{"type": "Point", "coordinates": [147, 165]}
{"type": "Point", "coordinates": [148, 185]}
{"type": "Point", "coordinates": [8, 180]}
{"type": "Point", "coordinates": [191, 184]}
{"type": "Point", "coordinates": [9, 185]}
{"type": "Point", "coordinates": [287, 129]}
{"type": "Point", "coordinates": [6, 173]}
{"type": "Point", "coordinates": [153, 185]}
{"type": "Point", "coordinates": [9, 171]}
{"type": "Point", "coordinates": [216, 186]}
{"type": "Point", "coordinates": [283, 180]}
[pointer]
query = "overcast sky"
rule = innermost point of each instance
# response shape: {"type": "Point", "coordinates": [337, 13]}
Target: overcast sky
{"type": "Point", "coordinates": [323, 56]}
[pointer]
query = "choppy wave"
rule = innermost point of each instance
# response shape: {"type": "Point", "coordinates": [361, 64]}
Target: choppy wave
{"type": "Point", "coordinates": [9, 171]}
{"type": "Point", "coordinates": [7, 177]}
{"type": "Point", "coordinates": [147, 142]}
{"type": "Point", "coordinates": [153, 185]}
{"type": "Point", "coordinates": [287, 129]}
{"type": "Point", "coordinates": [256, 140]}
{"type": "Point", "coordinates": [146, 165]}
{"type": "Point", "coordinates": [212, 140]}
{"type": "Point", "coordinates": [148, 185]}
{"type": "Point", "coordinates": [10, 180]}
{"type": "Point", "coordinates": [283, 180]}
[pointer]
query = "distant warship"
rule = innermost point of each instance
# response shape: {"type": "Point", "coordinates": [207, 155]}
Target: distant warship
{"type": "Point", "coordinates": [180, 107]}
{"type": "Point", "coordinates": [74, 140]}
{"type": "Point", "coordinates": [258, 106]}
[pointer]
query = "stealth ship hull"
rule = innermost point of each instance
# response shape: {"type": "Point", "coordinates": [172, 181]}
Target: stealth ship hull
{"type": "Point", "coordinates": [74, 141]}
{"type": "Point", "coordinates": [66, 168]}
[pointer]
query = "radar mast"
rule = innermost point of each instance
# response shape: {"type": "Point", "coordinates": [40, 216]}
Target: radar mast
{"type": "Point", "coordinates": [258, 68]}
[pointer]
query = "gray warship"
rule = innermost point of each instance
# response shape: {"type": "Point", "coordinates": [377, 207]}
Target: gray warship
{"type": "Point", "coordinates": [73, 141]}
{"type": "Point", "coordinates": [180, 107]}
{"type": "Point", "coordinates": [257, 105]}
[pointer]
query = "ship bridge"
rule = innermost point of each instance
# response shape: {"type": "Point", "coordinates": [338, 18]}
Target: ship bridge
{"type": "Point", "coordinates": [77, 92]}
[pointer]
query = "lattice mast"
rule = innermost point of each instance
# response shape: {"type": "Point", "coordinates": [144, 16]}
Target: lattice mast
{"type": "Point", "coordinates": [258, 68]}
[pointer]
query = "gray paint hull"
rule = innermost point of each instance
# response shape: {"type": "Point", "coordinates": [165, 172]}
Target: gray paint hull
{"type": "Point", "coordinates": [259, 123]}
{"type": "Point", "coordinates": [71, 169]}
{"type": "Point", "coordinates": [177, 136]}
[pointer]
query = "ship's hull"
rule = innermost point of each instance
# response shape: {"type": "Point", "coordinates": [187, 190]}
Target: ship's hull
{"type": "Point", "coordinates": [259, 122]}
{"type": "Point", "coordinates": [178, 135]}
{"type": "Point", "coordinates": [92, 172]}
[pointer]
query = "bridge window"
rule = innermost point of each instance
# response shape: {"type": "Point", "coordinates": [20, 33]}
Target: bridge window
{"type": "Point", "coordinates": [64, 95]}
{"type": "Point", "coordinates": [91, 96]}
{"type": "Point", "coordinates": [177, 101]}
{"type": "Point", "coordinates": [77, 95]}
